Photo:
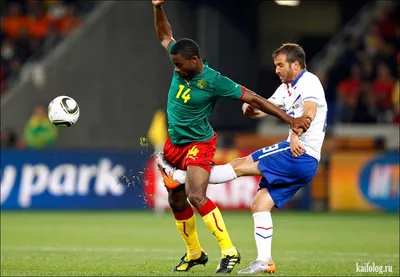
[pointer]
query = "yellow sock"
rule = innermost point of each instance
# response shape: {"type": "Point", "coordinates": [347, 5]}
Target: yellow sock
{"type": "Point", "coordinates": [187, 229]}
{"type": "Point", "coordinates": [215, 223]}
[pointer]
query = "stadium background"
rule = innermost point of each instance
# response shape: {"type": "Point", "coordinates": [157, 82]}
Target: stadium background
{"type": "Point", "coordinates": [106, 55]}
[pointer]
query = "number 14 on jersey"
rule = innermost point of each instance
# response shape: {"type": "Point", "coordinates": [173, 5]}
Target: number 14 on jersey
{"type": "Point", "coordinates": [185, 95]}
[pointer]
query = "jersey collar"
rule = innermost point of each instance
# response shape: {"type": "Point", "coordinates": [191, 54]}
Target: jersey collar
{"type": "Point", "coordinates": [298, 77]}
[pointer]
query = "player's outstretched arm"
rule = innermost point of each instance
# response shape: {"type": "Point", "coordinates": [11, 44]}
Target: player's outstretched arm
{"type": "Point", "coordinates": [258, 102]}
{"type": "Point", "coordinates": [163, 28]}
{"type": "Point", "coordinates": [298, 125]}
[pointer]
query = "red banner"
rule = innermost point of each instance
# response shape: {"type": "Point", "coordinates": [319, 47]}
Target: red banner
{"type": "Point", "coordinates": [233, 195]}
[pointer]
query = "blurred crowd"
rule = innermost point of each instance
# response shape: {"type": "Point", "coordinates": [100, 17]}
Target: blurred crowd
{"type": "Point", "coordinates": [38, 133]}
{"type": "Point", "coordinates": [31, 28]}
{"type": "Point", "coordinates": [363, 86]}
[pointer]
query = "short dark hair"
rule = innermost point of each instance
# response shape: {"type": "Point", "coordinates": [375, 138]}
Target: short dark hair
{"type": "Point", "coordinates": [293, 52]}
{"type": "Point", "coordinates": [186, 47]}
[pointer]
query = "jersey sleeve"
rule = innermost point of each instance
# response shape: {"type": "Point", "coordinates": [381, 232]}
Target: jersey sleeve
{"type": "Point", "coordinates": [277, 97]}
{"type": "Point", "coordinates": [313, 91]}
{"type": "Point", "coordinates": [169, 47]}
{"type": "Point", "coordinates": [225, 87]}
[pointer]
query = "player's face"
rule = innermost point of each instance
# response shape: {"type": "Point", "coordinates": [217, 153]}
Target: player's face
{"type": "Point", "coordinates": [284, 69]}
{"type": "Point", "coordinates": [186, 68]}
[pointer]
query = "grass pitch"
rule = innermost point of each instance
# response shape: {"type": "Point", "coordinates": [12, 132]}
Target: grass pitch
{"type": "Point", "coordinates": [147, 244]}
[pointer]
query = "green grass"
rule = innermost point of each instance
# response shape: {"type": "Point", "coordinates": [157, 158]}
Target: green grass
{"type": "Point", "coordinates": [146, 244]}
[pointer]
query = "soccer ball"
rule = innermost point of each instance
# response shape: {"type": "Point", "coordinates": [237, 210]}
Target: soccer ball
{"type": "Point", "coordinates": [63, 111]}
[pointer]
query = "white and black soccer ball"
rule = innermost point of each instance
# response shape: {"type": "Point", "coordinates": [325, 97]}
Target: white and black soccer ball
{"type": "Point", "coordinates": [63, 111]}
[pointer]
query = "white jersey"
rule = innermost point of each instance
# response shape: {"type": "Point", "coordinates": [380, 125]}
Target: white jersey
{"type": "Point", "coordinates": [291, 98]}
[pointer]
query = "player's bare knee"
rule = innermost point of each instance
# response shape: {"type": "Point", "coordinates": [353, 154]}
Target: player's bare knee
{"type": "Point", "coordinates": [197, 199]}
{"type": "Point", "coordinates": [261, 207]}
{"type": "Point", "coordinates": [254, 207]}
{"type": "Point", "coordinates": [243, 166]}
{"type": "Point", "coordinates": [196, 192]}
{"type": "Point", "coordinates": [262, 202]}
{"type": "Point", "coordinates": [237, 165]}
{"type": "Point", "coordinates": [237, 162]}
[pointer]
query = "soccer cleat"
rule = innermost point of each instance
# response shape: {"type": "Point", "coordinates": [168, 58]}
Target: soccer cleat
{"type": "Point", "coordinates": [271, 267]}
{"type": "Point", "coordinates": [186, 264]}
{"type": "Point", "coordinates": [162, 162]}
{"type": "Point", "coordinates": [228, 262]}
{"type": "Point", "coordinates": [166, 171]}
{"type": "Point", "coordinates": [257, 267]}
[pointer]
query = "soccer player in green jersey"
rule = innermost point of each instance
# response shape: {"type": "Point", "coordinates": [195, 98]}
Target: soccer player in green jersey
{"type": "Point", "coordinates": [191, 142]}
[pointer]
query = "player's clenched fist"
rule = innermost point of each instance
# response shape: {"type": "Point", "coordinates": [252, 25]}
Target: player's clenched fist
{"type": "Point", "coordinates": [157, 2]}
{"type": "Point", "coordinates": [252, 112]}
{"type": "Point", "coordinates": [300, 125]}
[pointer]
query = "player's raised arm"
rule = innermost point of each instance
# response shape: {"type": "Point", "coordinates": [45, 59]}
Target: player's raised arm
{"type": "Point", "coordinates": [163, 28]}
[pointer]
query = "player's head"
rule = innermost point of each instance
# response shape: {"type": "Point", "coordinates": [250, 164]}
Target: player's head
{"type": "Point", "coordinates": [290, 60]}
{"type": "Point", "coordinates": [185, 55]}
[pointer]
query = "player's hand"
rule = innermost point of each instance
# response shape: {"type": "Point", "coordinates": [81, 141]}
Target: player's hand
{"type": "Point", "coordinates": [300, 125]}
{"type": "Point", "coordinates": [157, 2]}
{"type": "Point", "coordinates": [252, 112]}
{"type": "Point", "coordinates": [296, 147]}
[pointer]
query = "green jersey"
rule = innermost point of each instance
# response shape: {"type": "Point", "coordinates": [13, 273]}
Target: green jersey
{"type": "Point", "coordinates": [190, 103]}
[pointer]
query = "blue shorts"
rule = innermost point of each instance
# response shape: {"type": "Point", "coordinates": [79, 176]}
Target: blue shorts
{"type": "Point", "coordinates": [283, 175]}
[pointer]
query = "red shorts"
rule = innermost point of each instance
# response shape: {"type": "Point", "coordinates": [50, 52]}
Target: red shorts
{"type": "Point", "coordinates": [191, 154]}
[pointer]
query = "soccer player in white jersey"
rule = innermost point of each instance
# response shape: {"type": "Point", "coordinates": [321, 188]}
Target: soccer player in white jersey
{"type": "Point", "coordinates": [285, 167]}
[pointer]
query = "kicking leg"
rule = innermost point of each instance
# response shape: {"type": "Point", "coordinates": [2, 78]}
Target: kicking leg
{"type": "Point", "coordinates": [245, 167]}
{"type": "Point", "coordinates": [219, 174]}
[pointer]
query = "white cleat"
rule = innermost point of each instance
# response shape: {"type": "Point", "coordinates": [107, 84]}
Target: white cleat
{"type": "Point", "coordinates": [167, 171]}
{"type": "Point", "coordinates": [258, 267]}
{"type": "Point", "coordinates": [163, 164]}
